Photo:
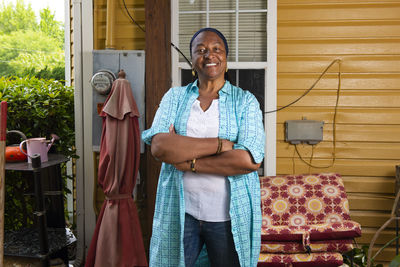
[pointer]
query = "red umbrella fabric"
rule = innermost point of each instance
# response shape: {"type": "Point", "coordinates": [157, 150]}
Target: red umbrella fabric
{"type": "Point", "coordinates": [117, 239]}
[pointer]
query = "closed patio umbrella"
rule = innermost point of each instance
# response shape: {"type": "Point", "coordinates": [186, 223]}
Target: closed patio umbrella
{"type": "Point", "coordinates": [117, 239]}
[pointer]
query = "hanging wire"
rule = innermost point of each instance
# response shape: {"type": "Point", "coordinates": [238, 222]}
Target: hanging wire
{"type": "Point", "coordinates": [174, 46]}
{"type": "Point", "coordinates": [311, 158]}
{"type": "Point", "coordinates": [177, 49]}
{"type": "Point", "coordinates": [333, 122]}
{"type": "Point", "coordinates": [129, 14]}
{"type": "Point", "coordinates": [306, 92]}
{"type": "Point", "coordinates": [293, 162]}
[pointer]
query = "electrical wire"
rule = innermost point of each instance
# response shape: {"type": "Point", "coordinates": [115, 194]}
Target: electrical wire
{"type": "Point", "coordinates": [187, 60]}
{"type": "Point", "coordinates": [333, 122]}
{"type": "Point", "coordinates": [293, 162]}
{"type": "Point", "coordinates": [311, 158]}
{"type": "Point", "coordinates": [174, 46]}
{"type": "Point", "coordinates": [129, 14]}
{"type": "Point", "coordinates": [306, 92]}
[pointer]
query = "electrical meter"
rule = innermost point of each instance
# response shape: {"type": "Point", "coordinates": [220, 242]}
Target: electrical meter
{"type": "Point", "coordinates": [102, 81]}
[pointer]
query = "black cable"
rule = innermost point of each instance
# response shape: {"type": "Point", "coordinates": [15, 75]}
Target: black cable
{"type": "Point", "coordinates": [127, 11]}
{"type": "Point", "coordinates": [306, 92]}
{"type": "Point", "coordinates": [174, 46]}
{"type": "Point", "coordinates": [177, 49]}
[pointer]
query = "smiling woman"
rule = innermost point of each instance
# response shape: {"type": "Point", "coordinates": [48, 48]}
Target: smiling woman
{"type": "Point", "coordinates": [209, 135]}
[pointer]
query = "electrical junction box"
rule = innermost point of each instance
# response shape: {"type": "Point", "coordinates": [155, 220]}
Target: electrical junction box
{"type": "Point", "coordinates": [304, 131]}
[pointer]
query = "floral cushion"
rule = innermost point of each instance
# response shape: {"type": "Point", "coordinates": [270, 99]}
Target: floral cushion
{"type": "Point", "coordinates": [305, 207]}
{"type": "Point", "coordinates": [322, 231]}
{"type": "Point", "coordinates": [327, 259]}
{"type": "Point", "coordinates": [342, 245]}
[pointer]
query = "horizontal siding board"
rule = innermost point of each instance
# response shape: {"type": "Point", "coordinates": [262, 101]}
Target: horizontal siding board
{"type": "Point", "coordinates": [335, 29]}
{"type": "Point", "coordinates": [377, 116]}
{"type": "Point", "coordinates": [128, 3]}
{"type": "Point", "coordinates": [389, 46]}
{"type": "Point", "coordinates": [312, 2]}
{"type": "Point", "coordinates": [121, 16]}
{"type": "Point", "coordinates": [125, 31]}
{"type": "Point", "coordinates": [356, 167]}
{"type": "Point", "coordinates": [371, 218]}
{"type": "Point", "coordinates": [344, 150]}
{"type": "Point", "coordinates": [354, 81]}
{"type": "Point", "coordinates": [125, 44]}
{"type": "Point", "coordinates": [375, 135]}
{"type": "Point", "coordinates": [350, 64]}
{"type": "Point", "coordinates": [363, 184]}
{"type": "Point", "coordinates": [369, 232]}
{"type": "Point", "coordinates": [339, 11]}
{"type": "Point", "coordinates": [346, 98]}
{"type": "Point", "coordinates": [370, 203]}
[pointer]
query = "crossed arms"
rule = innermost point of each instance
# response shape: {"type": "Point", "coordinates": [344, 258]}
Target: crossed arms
{"type": "Point", "coordinates": [179, 150]}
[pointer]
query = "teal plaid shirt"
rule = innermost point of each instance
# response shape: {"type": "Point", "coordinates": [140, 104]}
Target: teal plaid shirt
{"type": "Point", "coordinates": [240, 121]}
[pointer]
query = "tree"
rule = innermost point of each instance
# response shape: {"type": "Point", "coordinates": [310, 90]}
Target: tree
{"type": "Point", "coordinates": [22, 50]}
{"type": "Point", "coordinates": [29, 48]}
{"type": "Point", "coordinates": [18, 17]}
{"type": "Point", "coordinates": [50, 26]}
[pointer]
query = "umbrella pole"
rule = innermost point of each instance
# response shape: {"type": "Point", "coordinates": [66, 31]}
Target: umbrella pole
{"type": "Point", "coordinates": [3, 126]}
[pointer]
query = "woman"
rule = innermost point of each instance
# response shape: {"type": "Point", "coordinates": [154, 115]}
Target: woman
{"type": "Point", "coordinates": [210, 137]}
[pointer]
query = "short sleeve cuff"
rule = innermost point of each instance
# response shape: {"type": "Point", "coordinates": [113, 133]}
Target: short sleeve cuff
{"type": "Point", "coordinates": [258, 156]}
{"type": "Point", "coordinates": [147, 135]}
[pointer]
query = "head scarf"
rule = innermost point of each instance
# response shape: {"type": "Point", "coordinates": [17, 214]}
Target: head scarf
{"type": "Point", "coordinates": [210, 30]}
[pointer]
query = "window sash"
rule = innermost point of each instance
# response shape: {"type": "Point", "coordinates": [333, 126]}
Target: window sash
{"type": "Point", "coordinates": [243, 22]}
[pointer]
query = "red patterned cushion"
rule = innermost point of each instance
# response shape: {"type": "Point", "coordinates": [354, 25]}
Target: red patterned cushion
{"type": "Point", "coordinates": [342, 245]}
{"type": "Point", "coordinates": [297, 205]}
{"type": "Point", "coordinates": [323, 231]}
{"type": "Point", "coordinates": [326, 259]}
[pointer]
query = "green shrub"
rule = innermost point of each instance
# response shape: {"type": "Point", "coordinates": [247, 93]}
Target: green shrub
{"type": "Point", "coordinates": [36, 107]}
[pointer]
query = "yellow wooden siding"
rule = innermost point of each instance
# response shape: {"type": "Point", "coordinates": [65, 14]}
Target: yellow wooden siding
{"type": "Point", "coordinates": [365, 35]}
{"type": "Point", "coordinates": [128, 36]}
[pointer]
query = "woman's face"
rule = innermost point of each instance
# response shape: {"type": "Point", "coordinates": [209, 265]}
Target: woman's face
{"type": "Point", "coordinates": [209, 56]}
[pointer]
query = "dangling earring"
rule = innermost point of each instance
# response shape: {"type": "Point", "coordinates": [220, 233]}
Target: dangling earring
{"type": "Point", "coordinates": [226, 69]}
{"type": "Point", "coordinates": [193, 73]}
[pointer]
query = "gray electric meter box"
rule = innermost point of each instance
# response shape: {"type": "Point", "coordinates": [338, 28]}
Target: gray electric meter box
{"type": "Point", "coordinates": [106, 65]}
{"type": "Point", "coordinates": [304, 131]}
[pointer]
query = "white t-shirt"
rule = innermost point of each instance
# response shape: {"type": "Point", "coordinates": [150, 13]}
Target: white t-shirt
{"type": "Point", "coordinates": [207, 196]}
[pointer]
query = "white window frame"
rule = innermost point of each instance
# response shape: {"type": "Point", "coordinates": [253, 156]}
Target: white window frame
{"type": "Point", "coordinates": [270, 77]}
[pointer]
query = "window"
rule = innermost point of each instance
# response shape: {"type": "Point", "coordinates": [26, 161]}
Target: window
{"type": "Point", "coordinates": [243, 22]}
{"type": "Point", "coordinates": [250, 29]}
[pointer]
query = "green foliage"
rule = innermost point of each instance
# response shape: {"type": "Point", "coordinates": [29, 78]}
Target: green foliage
{"type": "Point", "coordinates": [395, 262]}
{"type": "Point", "coordinates": [37, 108]}
{"type": "Point", "coordinates": [57, 73]}
{"type": "Point", "coordinates": [358, 257]}
{"type": "Point", "coordinates": [26, 47]}
{"type": "Point", "coordinates": [18, 17]}
{"type": "Point", "coordinates": [49, 26]}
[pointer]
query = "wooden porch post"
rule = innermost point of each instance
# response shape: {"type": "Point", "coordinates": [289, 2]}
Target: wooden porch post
{"type": "Point", "coordinates": [158, 81]}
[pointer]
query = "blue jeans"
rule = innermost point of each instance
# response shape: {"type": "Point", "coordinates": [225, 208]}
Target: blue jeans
{"type": "Point", "coordinates": [217, 237]}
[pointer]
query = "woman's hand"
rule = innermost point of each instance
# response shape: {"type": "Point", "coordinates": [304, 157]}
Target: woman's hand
{"type": "Point", "coordinates": [173, 148]}
{"type": "Point", "coordinates": [226, 145]}
{"type": "Point", "coordinates": [172, 129]}
{"type": "Point", "coordinates": [183, 166]}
